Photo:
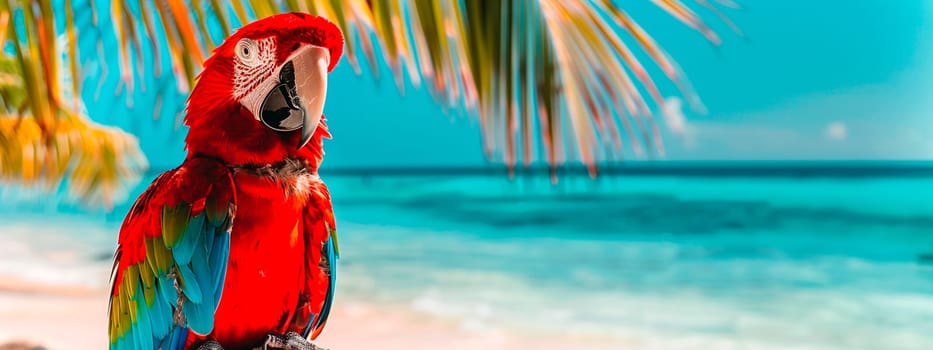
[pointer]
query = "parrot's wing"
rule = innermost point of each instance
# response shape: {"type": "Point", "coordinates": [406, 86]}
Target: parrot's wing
{"type": "Point", "coordinates": [171, 259]}
{"type": "Point", "coordinates": [321, 239]}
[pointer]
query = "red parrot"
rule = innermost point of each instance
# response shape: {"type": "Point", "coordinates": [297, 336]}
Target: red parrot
{"type": "Point", "coordinates": [236, 248]}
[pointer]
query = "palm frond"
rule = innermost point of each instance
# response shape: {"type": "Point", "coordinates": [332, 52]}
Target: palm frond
{"type": "Point", "coordinates": [547, 79]}
{"type": "Point", "coordinates": [96, 163]}
{"type": "Point", "coordinates": [43, 138]}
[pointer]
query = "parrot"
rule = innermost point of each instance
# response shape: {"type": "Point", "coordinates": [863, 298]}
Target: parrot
{"type": "Point", "coordinates": [236, 248]}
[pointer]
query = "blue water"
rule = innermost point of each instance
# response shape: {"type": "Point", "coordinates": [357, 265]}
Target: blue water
{"type": "Point", "coordinates": [648, 262]}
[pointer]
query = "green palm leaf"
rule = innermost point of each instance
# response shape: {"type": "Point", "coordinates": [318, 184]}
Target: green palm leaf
{"type": "Point", "coordinates": [44, 140]}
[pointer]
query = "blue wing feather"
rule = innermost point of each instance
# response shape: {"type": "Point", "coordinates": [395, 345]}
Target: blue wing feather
{"type": "Point", "coordinates": [160, 318]}
{"type": "Point", "coordinates": [189, 242]}
{"type": "Point", "coordinates": [189, 284]}
{"type": "Point", "coordinates": [329, 301]}
{"type": "Point", "coordinates": [201, 317]}
{"type": "Point", "coordinates": [175, 340]}
{"type": "Point", "coordinates": [143, 328]}
{"type": "Point", "coordinates": [330, 252]}
{"type": "Point", "coordinates": [200, 320]}
{"type": "Point", "coordinates": [167, 290]}
{"type": "Point", "coordinates": [129, 342]}
{"type": "Point", "coordinates": [308, 328]}
{"type": "Point", "coordinates": [219, 254]}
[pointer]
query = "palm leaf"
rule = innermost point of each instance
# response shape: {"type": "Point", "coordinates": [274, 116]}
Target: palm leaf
{"type": "Point", "coordinates": [548, 80]}
{"type": "Point", "coordinates": [44, 141]}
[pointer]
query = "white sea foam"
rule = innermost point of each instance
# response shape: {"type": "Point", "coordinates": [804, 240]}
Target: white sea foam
{"type": "Point", "coordinates": [56, 250]}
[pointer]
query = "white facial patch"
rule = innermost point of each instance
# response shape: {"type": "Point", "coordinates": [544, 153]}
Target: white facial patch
{"type": "Point", "coordinates": [254, 62]}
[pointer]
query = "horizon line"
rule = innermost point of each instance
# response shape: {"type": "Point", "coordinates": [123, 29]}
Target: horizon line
{"type": "Point", "coordinates": [734, 168]}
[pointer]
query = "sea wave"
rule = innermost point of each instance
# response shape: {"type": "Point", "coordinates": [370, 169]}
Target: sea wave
{"type": "Point", "coordinates": [56, 250]}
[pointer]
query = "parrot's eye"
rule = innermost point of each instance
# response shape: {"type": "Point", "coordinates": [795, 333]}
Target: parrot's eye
{"type": "Point", "coordinates": [247, 51]}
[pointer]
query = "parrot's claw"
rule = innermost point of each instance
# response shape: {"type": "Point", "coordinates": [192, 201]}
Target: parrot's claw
{"type": "Point", "coordinates": [290, 341]}
{"type": "Point", "coordinates": [210, 345]}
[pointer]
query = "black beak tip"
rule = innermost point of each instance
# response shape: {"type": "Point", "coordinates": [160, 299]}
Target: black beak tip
{"type": "Point", "coordinates": [307, 132]}
{"type": "Point", "coordinates": [304, 140]}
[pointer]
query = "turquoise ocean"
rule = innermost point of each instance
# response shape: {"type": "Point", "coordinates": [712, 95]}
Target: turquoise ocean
{"type": "Point", "coordinates": [706, 257]}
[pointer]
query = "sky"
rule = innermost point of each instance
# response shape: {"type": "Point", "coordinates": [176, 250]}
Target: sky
{"type": "Point", "coordinates": [815, 80]}
{"type": "Point", "coordinates": [811, 80]}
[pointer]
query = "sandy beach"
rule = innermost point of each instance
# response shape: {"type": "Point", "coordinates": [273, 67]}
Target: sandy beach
{"type": "Point", "coordinates": [65, 318]}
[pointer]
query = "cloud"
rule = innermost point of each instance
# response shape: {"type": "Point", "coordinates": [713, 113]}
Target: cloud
{"type": "Point", "coordinates": [673, 112]}
{"type": "Point", "coordinates": [862, 122]}
{"type": "Point", "coordinates": [737, 138]}
{"type": "Point", "coordinates": [672, 109]}
{"type": "Point", "coordinates": [739, 141]}
{"type": "Point", "coordinates": [837, 131]}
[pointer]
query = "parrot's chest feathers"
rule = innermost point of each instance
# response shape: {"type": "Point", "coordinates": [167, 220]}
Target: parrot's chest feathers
{"type": "Point", "coordinates": [294, 175]}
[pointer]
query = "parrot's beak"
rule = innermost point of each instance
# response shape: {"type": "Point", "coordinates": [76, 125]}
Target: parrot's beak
{"type": "Point", "coordinates": [297, 101]}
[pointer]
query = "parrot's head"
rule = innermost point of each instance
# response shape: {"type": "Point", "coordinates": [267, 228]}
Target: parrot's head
{"type": "Point", "coordinates": [260, 98]}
